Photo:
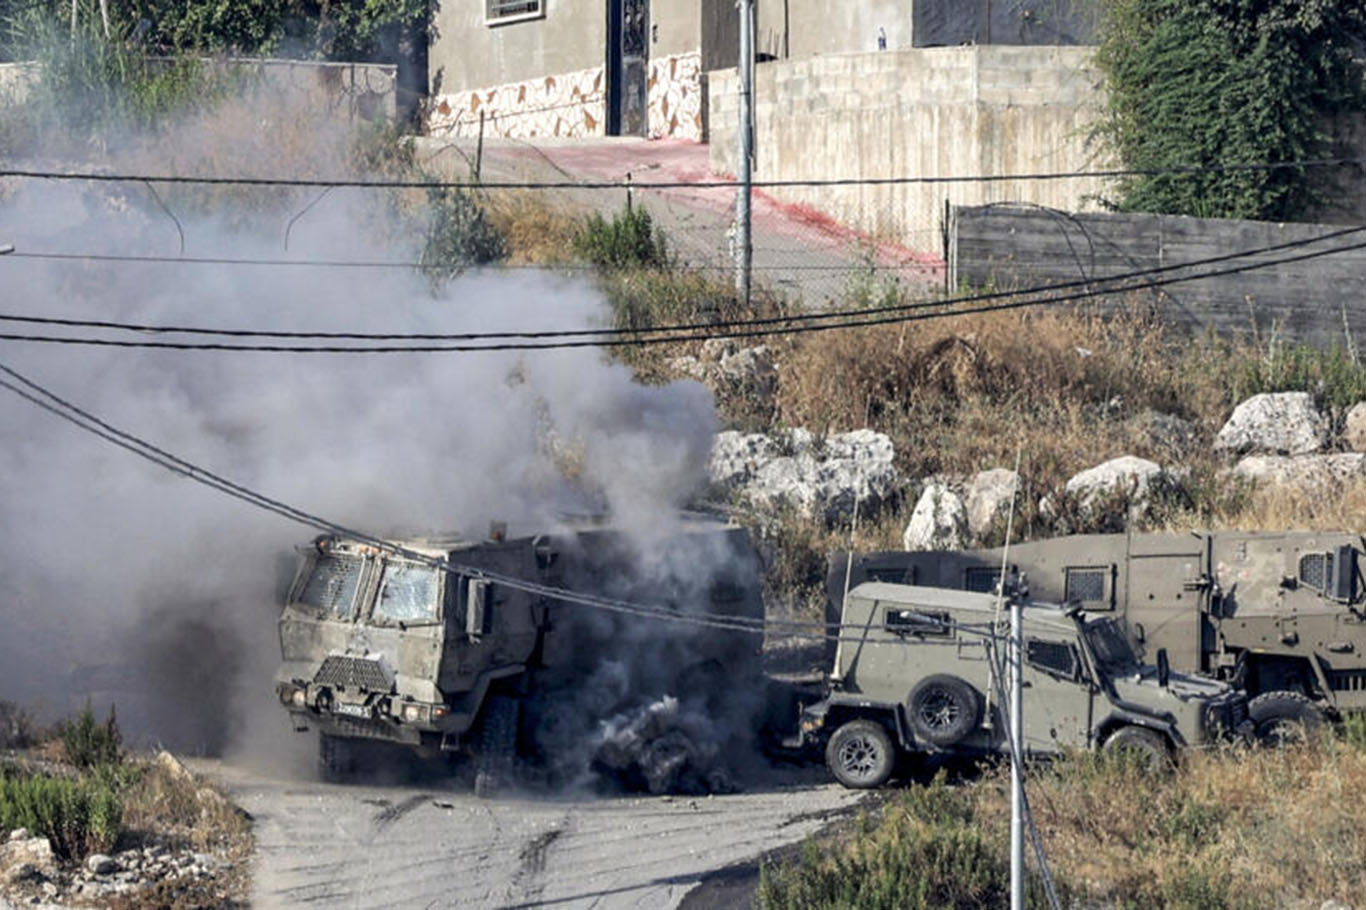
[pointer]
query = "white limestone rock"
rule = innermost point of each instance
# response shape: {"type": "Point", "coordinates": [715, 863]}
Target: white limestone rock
{"type": "Point", "coordinates": [938, 522]}
{"type": "Point", "coordinates": [989, 495]}
{"type": "Point", "coordinates": [1276, 423]}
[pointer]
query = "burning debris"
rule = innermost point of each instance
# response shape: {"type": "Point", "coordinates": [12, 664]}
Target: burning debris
{"type": "Point", "coordinates": [663, 748]}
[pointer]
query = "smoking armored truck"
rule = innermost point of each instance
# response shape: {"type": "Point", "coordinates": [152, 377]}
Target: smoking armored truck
{"type": "Point", "coordinates": [917, 671]}
{"type": "Point", "coordinates": [385, 648]}
{"type": "Point", "coordinates": [1280, 615]}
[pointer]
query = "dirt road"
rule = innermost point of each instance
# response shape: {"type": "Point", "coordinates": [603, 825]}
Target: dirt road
{"type": "Point", "coordinates": [322, 845]}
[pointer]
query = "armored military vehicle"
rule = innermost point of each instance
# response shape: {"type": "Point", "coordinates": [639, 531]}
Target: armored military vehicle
{"type": "Point", "coordinates": [916, 671]}
{"type": "Point", "coordinates": [1280, 615]}
{"type": "Point", "coordinates": [462, 646]}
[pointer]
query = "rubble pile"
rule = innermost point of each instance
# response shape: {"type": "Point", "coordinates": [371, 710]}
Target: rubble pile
{"type": "Point", "coordinates": [30, 873]}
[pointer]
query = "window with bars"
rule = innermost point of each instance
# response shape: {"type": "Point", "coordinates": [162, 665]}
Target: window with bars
{"type": "Point", "coordinates": [983, 580]}
{"type": "Point", "coordinates": [1087, 585]}
{"type": "Point", "coordinates": [496, 11]}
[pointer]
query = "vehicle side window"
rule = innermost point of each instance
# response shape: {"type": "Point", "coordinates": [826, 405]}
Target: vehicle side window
{"type": "Point", "coordinates": [1057, 658]}
{"type": "Point", "coordinates": [331, 586]}
{"type": "Point", "coordinates": [920, 623]}
{"type": "Point", "coordinates": [896, 576]}
{"type": "Point", "coordinates": [1089, 586]}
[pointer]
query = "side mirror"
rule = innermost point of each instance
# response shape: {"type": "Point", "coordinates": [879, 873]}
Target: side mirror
{"type": "Point", "coordinates": [1164, 668]}
{"type": "Point", "coordinates": [476, 607]}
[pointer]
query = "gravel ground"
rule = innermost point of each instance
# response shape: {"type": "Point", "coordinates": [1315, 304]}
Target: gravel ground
{"type": "Point", "coordinates": [436, 845]}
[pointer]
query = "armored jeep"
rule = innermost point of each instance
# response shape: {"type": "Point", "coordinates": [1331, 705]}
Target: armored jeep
{"type": "Point", "coordinates": [446, 658]}
{"type": "Point", "coordinates": [1280, 615]}
{"type": "Point", "coordinates": [916, 671]}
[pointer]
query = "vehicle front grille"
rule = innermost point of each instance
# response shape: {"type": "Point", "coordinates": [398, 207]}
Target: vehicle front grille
{"type": "Point", "coordinates": [340, 671]}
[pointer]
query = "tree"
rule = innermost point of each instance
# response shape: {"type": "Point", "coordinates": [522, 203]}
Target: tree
{"type": "Point", "coordinates": [1206, 82]}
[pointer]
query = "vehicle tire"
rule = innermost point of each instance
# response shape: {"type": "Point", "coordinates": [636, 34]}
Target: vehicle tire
{"type": "Point", "coordinates": [1148, 747]}
{"type": "Point", "coordinates": [495, 758]}
{"type": "Point", "coordinates": [336, 758]}
{"type": "Point", "coordinates": [1281, 718]}
{"type": "Point", "coordinates": [944, 709]}
{"type": "Point", "coordinates": [860, 754]}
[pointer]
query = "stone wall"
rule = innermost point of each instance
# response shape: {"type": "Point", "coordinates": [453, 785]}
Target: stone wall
{"type": "Point", "coordinates": [567, 105]}
{"type": "Point", "coordinates": [15, 79]}
{"type": "Point", "coordinates": [350, 91]}
{"type": "Point", "coordinates": [1315, 301]}
{"type": "Point", "coordinates": [935, 112]}
{"type": "Point", "coordinates": [573, 105]}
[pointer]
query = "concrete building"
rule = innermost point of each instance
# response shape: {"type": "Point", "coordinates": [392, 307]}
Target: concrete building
{"type": "Point", "coordinates": [568, 68]}
{"type": "Point", "coordinates": [571, 68]}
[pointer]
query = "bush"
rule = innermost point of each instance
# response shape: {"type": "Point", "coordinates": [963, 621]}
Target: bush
{"type": "Point", "coordinates": [629, 240]}
{"type": "Point", "coordinates": [929, 851]}
{"type": "Point", "coordinates": [19, 729]}
{"type": "Point", "coordinates": [78, 816]}
{"type": "Point", "coordinates": [459, 234]}
{"type": "Point", "coordinates": [1205, 82]}
{"type": "Point", "coordinates": [89, 744]}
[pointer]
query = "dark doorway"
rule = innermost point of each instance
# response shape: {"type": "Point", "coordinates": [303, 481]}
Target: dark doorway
{"type": "Point", "coordinates": [628, 59]}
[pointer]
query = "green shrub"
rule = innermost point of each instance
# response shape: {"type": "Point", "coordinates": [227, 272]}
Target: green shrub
{"type": "Point", "coordinates": [1205, 82]}
{"type": "Point", "coordinates": [929, 851]}
{"type": "Point", "coordinates": [630, 240]}
{"type": "Point", "coordinates": [459, 234]}
{"type": "Point", "coordinates": [90, 744]}
{"type": "Point", "coordinates": [78, 816]}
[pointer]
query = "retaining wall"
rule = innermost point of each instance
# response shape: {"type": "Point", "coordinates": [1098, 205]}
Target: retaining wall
{"type": "Point", "coordinates": [1315, 301]}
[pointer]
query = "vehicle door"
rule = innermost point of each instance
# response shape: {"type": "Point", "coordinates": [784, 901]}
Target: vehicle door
{"type": "Point", "coordinates": [1168, 597]}
{"type": "Point", "coordinates": [1057, 695]}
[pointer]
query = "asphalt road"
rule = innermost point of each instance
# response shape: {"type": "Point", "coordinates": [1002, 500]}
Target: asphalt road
{"type": "Point", "coordinates": [434, 844]}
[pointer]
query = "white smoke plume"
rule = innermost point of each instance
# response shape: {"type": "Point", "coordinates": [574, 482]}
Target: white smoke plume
{"type": "Point", "coordinates": [126, 582]}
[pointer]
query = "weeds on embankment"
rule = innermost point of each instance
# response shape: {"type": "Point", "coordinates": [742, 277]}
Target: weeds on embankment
{"type": "Point", "coordinates": [1230, 828]}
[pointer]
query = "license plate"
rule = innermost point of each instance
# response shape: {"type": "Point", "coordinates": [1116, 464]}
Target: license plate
{"type": "Point", "coordinates": [352, 710]}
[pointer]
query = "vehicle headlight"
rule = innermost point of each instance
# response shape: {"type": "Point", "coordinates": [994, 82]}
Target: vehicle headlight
{"type": "Point", "coordinates": [414, 713]}
{"type": "Point", "coordinates": [292, 695]}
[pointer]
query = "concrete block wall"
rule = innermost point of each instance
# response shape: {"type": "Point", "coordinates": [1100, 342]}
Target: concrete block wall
{"type": "Point", "coordinates": [1313, 301]}
{"type": "Point", "coordinates": [934, 112]}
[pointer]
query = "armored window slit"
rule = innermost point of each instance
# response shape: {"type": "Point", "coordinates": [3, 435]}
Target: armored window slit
{"type": "Point", "coordinates": [981, 580]}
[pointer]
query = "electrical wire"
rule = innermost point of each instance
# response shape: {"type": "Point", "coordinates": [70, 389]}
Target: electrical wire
{"type": "Point", "coordinates": [798, 318]}
{"type": "Point", "coordinates": [54, 404]}
{"type": "Point", "coordinates": [669, 184]}
{"type": "Point", "coordinates": [897, 317]}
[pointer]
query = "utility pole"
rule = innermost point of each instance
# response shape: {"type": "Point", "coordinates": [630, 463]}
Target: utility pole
{"type": "Point", "coordinates": [1017, 752]}
{"type": "Point", "coordinates": [744, 247]}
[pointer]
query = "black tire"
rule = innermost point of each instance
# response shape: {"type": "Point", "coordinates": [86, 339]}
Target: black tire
{"type": "Point", "coordinates": [944, 709]}
{"type": "Point", "coordinates": [495, 758]}
{"type": "Point", "coordinates": [336, 758]}
{"type": "Point", "coordinates": [1281, 718]}
{"type": "Point", "coordinates": [860, 754]}
{"type": "Point", "coordinates": [1147, 747]}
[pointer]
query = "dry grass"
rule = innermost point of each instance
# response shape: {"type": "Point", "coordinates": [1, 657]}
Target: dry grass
{"type": "Point", "coordinates": [1228, 829]}
{"type": "Point", "coordinates": [538, 230]}
{"type": "Point", "coordinates": [1235, 828]}
{"type": "Point", "coordinates": [164, 801]}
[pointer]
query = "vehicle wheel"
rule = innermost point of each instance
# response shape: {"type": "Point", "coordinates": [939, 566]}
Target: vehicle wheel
{"type": "Point", "coordinates": [336, 758]}
{"type": "Point", "coordinates": [1281, 718]}
{"type": "Point", "coordinates": [495, 757]}
{"type": "Point", "coordinates": [860, 754]}
{"type": "Point", "coordinates": [944, 709]}
{"type": "Point", "coordinates": [1147, 747]}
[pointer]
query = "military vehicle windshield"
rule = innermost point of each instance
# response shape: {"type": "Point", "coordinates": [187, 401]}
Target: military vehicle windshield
{"type": "Point", "coordinates": [332, 584]}
{"type": "Point", "coordinates": [407, 593]}
{"type": "Point", "coordinates": [1110, 645]}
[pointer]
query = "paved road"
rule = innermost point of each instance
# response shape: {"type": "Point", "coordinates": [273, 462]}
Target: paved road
{"type": "Point", "coordinates": [322, 845]}
{"type": "Point", "coordinates": [798, 251]}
